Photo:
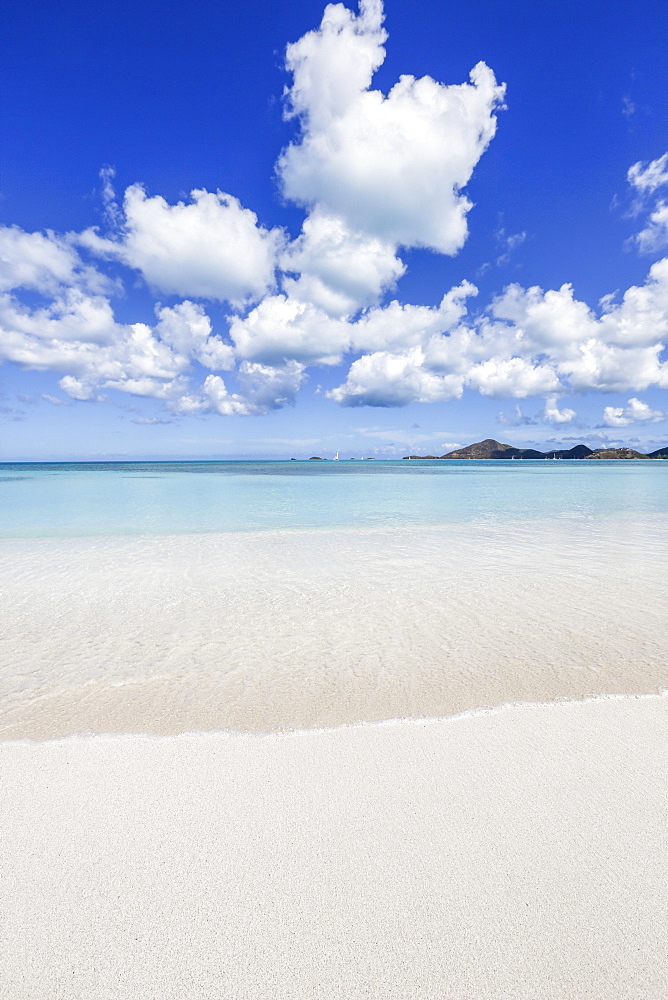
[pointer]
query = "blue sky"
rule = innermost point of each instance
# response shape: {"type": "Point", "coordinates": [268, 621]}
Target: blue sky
{"type": "Point", "coordinates": [416, 226]}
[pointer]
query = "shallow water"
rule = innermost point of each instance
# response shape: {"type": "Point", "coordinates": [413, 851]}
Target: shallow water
{"type": "Point", "coordinates": [271, 630]}
{"type": "Point", "coordinates": [168, 498]}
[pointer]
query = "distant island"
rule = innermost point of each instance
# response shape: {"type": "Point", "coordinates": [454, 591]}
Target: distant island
{"type": "Point", "coordinates": [491, 449]}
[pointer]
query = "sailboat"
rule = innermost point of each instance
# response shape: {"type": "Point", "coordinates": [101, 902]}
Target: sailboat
{"type": "Point", "coordinates": [336, 457]}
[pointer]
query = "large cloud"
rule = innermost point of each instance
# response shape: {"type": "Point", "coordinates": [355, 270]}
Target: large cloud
{"type": "Point", "coordinates": [76, 333]}
{"type": "Point", "coordinates": [375, 172]}
{"type": "Point", "coordinates": [70, 317]}
{"type": "Point", "coordinates": [79, 336]}
{"type": "Point", "coordinates": [397, 326]}
{"type": "Point", "coordinates": [515, 377]}
{"type": "Point", "coordinates": [617, 351]}
{"type": "Point", "coordinates": [391, 166]}
{"type": "Point", "coordinates": [529, 343]}
{"type": "Point", "coordinates": [210, 248]}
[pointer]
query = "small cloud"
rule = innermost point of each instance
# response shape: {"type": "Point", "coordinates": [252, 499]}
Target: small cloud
{"type": "Point", "coordinates": [654, 236]}
{"type": "Point", "coordinates": [401, 436]}
{"type": "Point", "coordinates": [508, 243]}
{"type": "Point", "coordinates": [7, 411]}
{"type": "Point", "coordinates": [648, 177]}
{"type": "Point", "coordinates": [553, 415]}
{"type": "Point", "coordinates": [635, 412]}
{"type": "Point", "coordinates": [628, 107]}
{"type": "Point", "coordinates": [608, 302]}
{"type": "Point", "coordinates": [112, 212]}
{"type": "Point", "coordinates": [55, 401]}
{"type": "Point", "coordinates": [150, 420]}
{"type": "Point", "coordinates": [515, 419]}
{"type": "Point", "coordinates": [80, 389]}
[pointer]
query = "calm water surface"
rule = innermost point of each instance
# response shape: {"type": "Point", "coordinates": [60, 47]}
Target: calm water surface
{"type": "Point", "coordinates": [153, 498]}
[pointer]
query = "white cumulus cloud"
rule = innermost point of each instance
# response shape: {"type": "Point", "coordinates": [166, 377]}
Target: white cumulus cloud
{"type": "Point", "coordinates": [654, 236]}
{"type": "Point", "coordinates": [397, 326]}
{"type": "Point", "coordinates": [72, 317]}
{"type": "Point", "coordinates": [619, 350]}
{"type": "Point", "coordinates": [44, 262]}
{"type": "Point", "coordinates": [516, 377]}
{"type": "Point", "coordinates": [284, 328]}
{"type": "Point", "coordinates": [530, 342]}
{"type": "Point", "coordinates": [649, 177]}
{"type": "Point", "coordinates": [77, 388]}
{"type": "Point", "coordinates": [383, 379]}
{"type": "Point", "coordinates": [266, 388]}
{"type": "Point", "coordinates": [391, 166]}
{"type": "Point", "coordinates": [635, 412]}
{"type": "Point", "coordinates": [211, 247]}
{"type": "Point", "coordinates": [187, 329]}
{"type": "Point", "coordinates": [553, 415]}
{"type": "Point", "coordinates": [340, 270]}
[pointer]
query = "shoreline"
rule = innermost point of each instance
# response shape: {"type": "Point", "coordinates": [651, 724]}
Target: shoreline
{"type": "Point", "coordinates": [294, 731]}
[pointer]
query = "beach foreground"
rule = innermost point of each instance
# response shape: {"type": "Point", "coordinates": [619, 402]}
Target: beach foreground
{"type": "Point", "coordinates": [264, 631]}
{"type": "Point", "coordinates": [515, 853]}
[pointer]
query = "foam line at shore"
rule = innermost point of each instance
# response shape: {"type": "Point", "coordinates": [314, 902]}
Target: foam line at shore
{"type": "Point", "coordinates": [289, 732]}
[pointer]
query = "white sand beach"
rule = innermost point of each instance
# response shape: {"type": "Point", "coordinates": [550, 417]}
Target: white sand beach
{"type": "Point", "coordinates": [240, 849]}
{"type": "Point", "coordinates": [519, 853]}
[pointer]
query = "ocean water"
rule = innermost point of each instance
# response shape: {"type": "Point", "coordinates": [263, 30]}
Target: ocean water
{"type": "Point", "coordinates": [174, 498]}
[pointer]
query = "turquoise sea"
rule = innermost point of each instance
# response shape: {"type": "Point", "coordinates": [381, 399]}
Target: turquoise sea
{"type": "Point", "coordinates": [157, 498]}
